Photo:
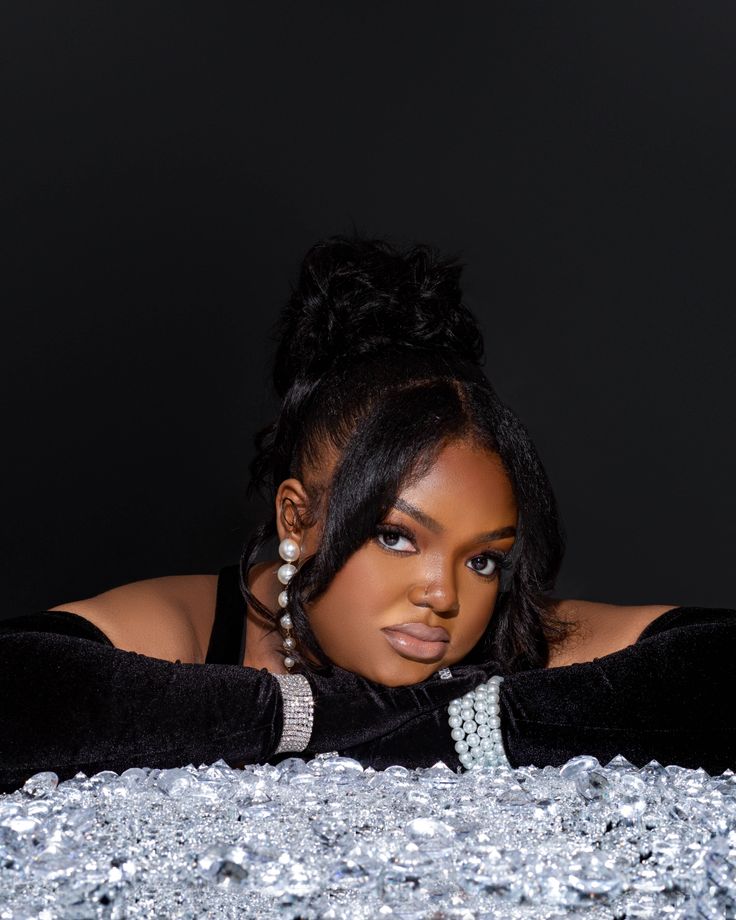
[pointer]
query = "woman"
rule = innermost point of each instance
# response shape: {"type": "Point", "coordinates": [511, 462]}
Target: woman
{"type": "Point", "coordinates": [426, 539]}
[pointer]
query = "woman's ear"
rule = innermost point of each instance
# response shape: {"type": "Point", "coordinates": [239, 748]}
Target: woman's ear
{"type": "Point", "coordinates": [292, 511]}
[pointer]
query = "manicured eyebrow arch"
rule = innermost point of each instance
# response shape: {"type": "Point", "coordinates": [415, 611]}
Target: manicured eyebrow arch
{"type": "Point", "coordinates": [429, 522]}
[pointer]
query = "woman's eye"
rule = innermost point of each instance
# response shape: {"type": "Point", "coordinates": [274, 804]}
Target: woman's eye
{"type": "Point", "coordinates": [483, 565]}
{"type": "Point", "coordinates": [389, 536]}
{"type": "Point", "coordinates": [488, 565]}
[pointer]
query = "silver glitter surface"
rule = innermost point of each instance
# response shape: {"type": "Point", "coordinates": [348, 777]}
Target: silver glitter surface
{"type": "Point", "coordinates": [330, 839]}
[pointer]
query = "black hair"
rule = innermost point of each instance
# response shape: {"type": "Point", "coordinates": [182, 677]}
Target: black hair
{"type": "Point", "coordinates": [378, 363]}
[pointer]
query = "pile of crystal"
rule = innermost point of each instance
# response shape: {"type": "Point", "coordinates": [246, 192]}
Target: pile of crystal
{"type": "Point", "coordinates": [330, 839]}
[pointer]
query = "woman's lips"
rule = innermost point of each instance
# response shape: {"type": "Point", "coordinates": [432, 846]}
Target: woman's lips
{"type": "Point", "coordinates": [418, 641]}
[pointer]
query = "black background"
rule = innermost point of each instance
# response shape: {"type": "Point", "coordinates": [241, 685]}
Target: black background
{"type": "Point", "coordinates": [166, 165]}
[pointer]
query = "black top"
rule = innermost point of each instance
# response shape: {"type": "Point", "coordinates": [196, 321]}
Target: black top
{"type": "Point", "coordinates": [227, 640]}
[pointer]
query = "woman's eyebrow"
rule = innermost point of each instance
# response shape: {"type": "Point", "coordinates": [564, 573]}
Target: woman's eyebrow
{"type": "Point", "coordinates": [429, 522]}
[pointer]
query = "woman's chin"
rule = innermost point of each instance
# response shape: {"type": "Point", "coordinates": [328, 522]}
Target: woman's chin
{"type": "Point", "coordinates": [399, 674]}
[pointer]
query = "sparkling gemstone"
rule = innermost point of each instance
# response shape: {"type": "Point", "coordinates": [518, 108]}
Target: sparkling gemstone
{"type": "Point", "coordinates": [329, 838]}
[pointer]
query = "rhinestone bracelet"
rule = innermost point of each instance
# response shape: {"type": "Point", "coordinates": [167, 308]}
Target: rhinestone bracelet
{"type": "Point", "coordinates": [475, 721]}
{"type": "Point", "coordinates": [298, 712]}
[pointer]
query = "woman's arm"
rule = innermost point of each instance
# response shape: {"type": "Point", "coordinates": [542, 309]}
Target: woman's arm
{"type": "Point", "coordinates": [669, 697]}
{"type": "Point", "coordinates": [70, 703]}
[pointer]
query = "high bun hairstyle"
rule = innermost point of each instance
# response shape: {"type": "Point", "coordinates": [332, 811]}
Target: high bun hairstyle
{"type": "Point", "coordinates": [378, 364]}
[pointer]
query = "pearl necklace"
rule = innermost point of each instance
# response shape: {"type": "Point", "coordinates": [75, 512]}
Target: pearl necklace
{"type": "Point", "coordinates": [475, 720]}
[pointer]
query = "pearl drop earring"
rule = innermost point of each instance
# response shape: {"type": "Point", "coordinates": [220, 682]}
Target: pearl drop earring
{"type": "Point", "coordinates": [289, 550]}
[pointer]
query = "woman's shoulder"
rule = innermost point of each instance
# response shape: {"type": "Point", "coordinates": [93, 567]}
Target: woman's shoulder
{"type": "Point", "coordinates": [597, 629]}
{"type": "Point", "coordinates": [164, 617]}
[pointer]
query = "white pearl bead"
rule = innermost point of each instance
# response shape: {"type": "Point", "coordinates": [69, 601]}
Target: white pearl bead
{"type": "Point", "coordinates": [289, 549]}
{"type": "Point", "coordinates": [283, 599]}
{"type": "Point", "coordinates": [457, 734]}
{"type": "Point", "coordinates": [285, 621]}
{"type": "Point", "coordinates": [466, 759]}
{"type": "Point", "coordinates": [483, 731]}
{"type": "Point", "coordinates": [289, 662]}
{"type": "Point", "coordinates": [461, 747]}
{"type": "Point", "coordinates": [467, 712]}
{"type": "Point", "coordinates": [469, 727]}
{"type": "Point", "coordinates": [454, 708]}
{"type": "Point", "coordinates": [473, 740]}
{"type": "Point", "coordinates": [285, 573]}
{"type": "Point", "coordinates": [455, 722]}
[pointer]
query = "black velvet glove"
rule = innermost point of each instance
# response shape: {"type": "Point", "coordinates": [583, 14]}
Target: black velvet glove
{"type": "Point", "coordinates": [70, 704]}
{"type": "Point", "coordinates": [669, 697]}
{"type": "Point", "coordinates": [350, 710]}
{"type": "Point", "coordinates": [71, 701]}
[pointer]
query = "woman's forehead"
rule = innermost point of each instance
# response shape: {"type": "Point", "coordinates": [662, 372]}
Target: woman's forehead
{"type": "Point", "coordinates": [463, 482]}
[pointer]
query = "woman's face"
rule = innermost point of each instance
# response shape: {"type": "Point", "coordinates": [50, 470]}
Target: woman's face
{"type": "Point", "coordinates": [419, 595]}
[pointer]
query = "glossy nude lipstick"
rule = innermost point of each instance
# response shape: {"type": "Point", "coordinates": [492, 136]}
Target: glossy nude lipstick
{"type": "Point", "coordinates": [418, 641]}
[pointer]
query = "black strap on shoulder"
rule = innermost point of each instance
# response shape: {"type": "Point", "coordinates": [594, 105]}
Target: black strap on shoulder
{"type": "Point", "coordinates": [227, 642]}
{"type": "Point", "coordinates": [62, 622]}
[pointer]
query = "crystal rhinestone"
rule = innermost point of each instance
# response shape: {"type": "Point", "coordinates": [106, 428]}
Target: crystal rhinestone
{"type": "Point", "coordinates": [285, 621]}
{"type": "Point", "coordinates": [285, 573]}
{"type": "Point", "coordinates": [289, 642]}
{"type": "Point", "coordinates": [325, 837]}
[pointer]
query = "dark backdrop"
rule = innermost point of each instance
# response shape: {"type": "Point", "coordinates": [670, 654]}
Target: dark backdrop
{"type": "Point", "coordinates": [166, 165]}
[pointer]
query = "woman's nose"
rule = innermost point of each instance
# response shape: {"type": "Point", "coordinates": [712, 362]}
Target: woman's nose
{"type": "Point", "coordinates": [438, 592]}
